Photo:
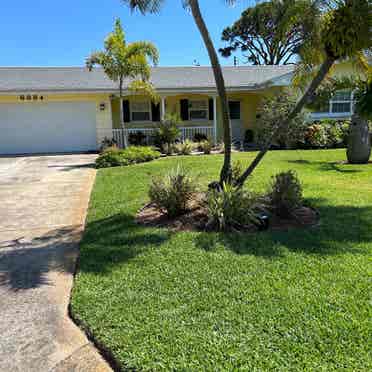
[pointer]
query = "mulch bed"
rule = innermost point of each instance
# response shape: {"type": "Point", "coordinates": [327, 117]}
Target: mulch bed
{"type": "Point", "coordinates": [195, 218]}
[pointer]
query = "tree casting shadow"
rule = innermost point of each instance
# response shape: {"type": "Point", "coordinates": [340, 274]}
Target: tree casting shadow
{"type": "Point", "coordinates": [25, 264]}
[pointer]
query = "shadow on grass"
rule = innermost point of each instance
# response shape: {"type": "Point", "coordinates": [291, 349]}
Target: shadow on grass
{"type": "Point", "coordinates": [115, 240]}
{"type": "Point", "coordinates": [341, 229]}
{"type": "Point", "coordinates": [326, 166]}
{"type": "Point", "coordinates": [118, 239]}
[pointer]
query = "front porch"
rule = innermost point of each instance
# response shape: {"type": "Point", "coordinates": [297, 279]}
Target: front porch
{"type": "Point", "coordinates": [197, 114]}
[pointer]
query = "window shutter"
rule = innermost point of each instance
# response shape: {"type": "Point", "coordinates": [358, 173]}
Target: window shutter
{"type": "Point", "coordinates": [155, 109]}
{"type": "Point", "coordinates": [211, 110]}
{"type": "Point", "coordinates": [184, 109]}
{"type": "Point", "coordinates": [126, 111]}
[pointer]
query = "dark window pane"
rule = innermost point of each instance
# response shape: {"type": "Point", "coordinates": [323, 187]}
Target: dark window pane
{"type": "Point", "coordinates": [198, 114]}
{"type": "Point", "coordinates": [341, 107]}
{"type": "Point", "coordinates": [140, 116]}
{"type": "Point", "coordinates": [234, 107]}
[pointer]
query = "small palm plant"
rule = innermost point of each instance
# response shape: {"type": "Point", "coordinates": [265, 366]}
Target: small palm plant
{"type": "Point", "coordinates": [121, 60]}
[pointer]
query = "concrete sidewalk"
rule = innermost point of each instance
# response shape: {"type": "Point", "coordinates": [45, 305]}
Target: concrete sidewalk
{"type": "Point", "coordinates": [43, 203]}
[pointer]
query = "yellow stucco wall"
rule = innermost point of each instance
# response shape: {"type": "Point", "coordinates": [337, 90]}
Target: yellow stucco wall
{"type": "Point", "coordinates": [103, 118]}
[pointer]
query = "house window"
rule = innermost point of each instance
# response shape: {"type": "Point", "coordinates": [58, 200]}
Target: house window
{"type": "Point", "coordinates": [234, 108]}
{"type": "Point", "coordinates": [198, 110]}
{"type": "Point", "coordinates": [140, 111]}
{"type": "Point", "coordinates": [341, 102]}
{"type": "Point", "coordinates": [340, 105]}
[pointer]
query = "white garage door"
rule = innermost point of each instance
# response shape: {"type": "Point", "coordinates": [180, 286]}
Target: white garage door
{"type": "Point", "coordinates": [47, 127]}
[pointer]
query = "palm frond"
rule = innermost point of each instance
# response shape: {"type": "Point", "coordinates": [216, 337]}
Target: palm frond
{"type": "Point", "coordinates": [144, 88]}
{"type": "Point", "coordinates": [143, 48]}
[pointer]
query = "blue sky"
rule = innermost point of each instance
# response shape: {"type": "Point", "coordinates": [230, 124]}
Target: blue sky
{"type": "Point", "coordinates": [63, 33]}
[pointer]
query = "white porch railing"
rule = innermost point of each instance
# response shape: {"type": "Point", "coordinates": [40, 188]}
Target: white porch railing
{"type": "Point", "coordinates": [186, 133]}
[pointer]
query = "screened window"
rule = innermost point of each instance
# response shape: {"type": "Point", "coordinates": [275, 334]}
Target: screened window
{"type": "Point", "coordinates": [342, 101]}
{"type": "Point", "coordinates": [198, 110]}
{"type": "Point", "coordinates": [140, 111]}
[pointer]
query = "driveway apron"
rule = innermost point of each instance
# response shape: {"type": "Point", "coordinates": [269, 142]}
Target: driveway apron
{"type": "Point", "coordinates": [43, 203]}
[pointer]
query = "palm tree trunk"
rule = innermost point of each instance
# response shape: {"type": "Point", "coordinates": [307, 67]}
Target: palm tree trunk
{"type": "Point", "coordinates": [121, 111]}
{"type": "Point", "coordinates": [225, 174]}
{"type": "Point", "coordinates": [306, 98]}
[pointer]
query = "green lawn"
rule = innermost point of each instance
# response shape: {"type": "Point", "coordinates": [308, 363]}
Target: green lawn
{"type": "Point", "coordinates": [296, 300]}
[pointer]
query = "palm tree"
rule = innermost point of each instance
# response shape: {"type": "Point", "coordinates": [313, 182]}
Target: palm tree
{"type": "Point", "coordinates": [345, 31]}
{"type": "Point", "coordinates": [121, 60]}
{"type": "Point", "coordinates": [153, 6]}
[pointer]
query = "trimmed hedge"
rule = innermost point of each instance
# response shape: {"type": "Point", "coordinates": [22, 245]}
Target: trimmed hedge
{"type": "Point", "coordinates": [114, 157]}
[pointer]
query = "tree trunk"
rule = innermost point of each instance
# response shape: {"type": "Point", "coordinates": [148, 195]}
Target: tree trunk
{"type": "Point", "coordinates": [121, 111]}
{"type": "Point", "coordinates": [359, 142]}
{"type": "Point", "coordinates": [225, 175]}
{"type": "Point", "coordinates": [305, 99]}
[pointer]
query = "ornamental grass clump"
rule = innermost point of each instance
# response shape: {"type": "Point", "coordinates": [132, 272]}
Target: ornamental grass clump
{"type": "Point", "coordinates": [184, 148]}
{"type": "Point", "coordinates": [233, 208]}
{"type": "Point", "coordinates": [172, 192]}
{"type": "Point", "coordinates": [285, 193]}
{"type": "Point", "coordinates": [205, 147]}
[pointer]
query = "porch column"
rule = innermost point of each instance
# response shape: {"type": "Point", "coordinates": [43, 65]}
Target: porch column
{"type": "Point", "coordinates": [215, 119]}
{"type": "Point", "coordinates": [162, 108]}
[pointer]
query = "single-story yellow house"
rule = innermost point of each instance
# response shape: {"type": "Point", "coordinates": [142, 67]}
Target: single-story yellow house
{"type": "Point", "coordinates": [57, 109]}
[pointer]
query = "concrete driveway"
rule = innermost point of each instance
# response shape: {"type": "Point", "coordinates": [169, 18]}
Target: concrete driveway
{"type": "Point", "coordinates": [43, 203]}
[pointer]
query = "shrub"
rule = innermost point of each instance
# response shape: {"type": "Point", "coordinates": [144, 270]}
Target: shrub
{"type": "Point", "coordinates": [249, 136]}
{"type": "Point", "coordinates": [136, 138]}
{"type": "Point", "coordinates": [205, 147]}
{"type": "Point", "coordinates": [168, 131]}
{"type": "Point", "coordinates": [327, 133]}
{"type": "Point", "coordinates": [169, 149]}
{"type": "Point", "coordinates": [316, 136]}
{"type": "Point", "coordinates": [130, 155]}
{"type": "Point", "coordinates": [172, 192]}
{"type": "Point", "coordinates": [272, 112]}
{"type": "Point", "coordinates": [232, 208]}
{"type": "Point", "coordinates": [184, 148]}
{"type": "Point", "coordinates": [285, 193]}
{"type": "Point", "coordinates": [200, 137]}
{"type": "Point", "coordinates": [111, 159]}
{"type": "Point", "coordinates": [107, 143]}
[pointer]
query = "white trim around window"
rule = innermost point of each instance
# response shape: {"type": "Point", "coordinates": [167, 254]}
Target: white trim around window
{"type": "Point", "coordinates": [140, 111]}
{"type": "Point", "coordinates": [340, 106]}
{"type": "Point", "coordinates": [198, 110]}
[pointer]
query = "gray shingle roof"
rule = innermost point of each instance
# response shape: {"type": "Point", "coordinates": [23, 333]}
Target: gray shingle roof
{"type": "Point", "coordinates": [17, 79]}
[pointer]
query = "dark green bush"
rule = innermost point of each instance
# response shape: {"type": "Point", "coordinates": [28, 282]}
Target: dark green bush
{"type": "Point", "coordinates": [168, 132]}
{"type": "Point", "coordinates": [200, 137]}
{"type": "Point", "coordinates": [137, 138]}
{"type": "Point", "coordinates": [172, 192]}
{"type": "Point", "coordinates": [131, 155]}
{"type": "Point", "coordinates": [285, 193]}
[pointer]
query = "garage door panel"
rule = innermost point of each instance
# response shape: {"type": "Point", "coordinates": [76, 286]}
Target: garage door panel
{"type": "Point", "coordinates": [47, 127]}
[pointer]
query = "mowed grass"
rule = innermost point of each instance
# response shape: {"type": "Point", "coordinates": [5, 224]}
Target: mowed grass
{"type": "Point", "coordinates": [188, 301]}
